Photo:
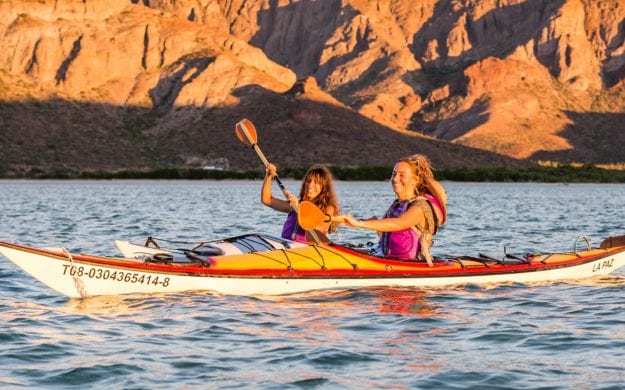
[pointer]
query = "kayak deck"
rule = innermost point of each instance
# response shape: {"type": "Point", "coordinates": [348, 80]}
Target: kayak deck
{"type": "Point", "coordinates": [324, 260]}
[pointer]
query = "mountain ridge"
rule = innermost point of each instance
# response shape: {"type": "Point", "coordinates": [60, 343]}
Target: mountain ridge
{"type": "Point", "coordinates": [470, 83]}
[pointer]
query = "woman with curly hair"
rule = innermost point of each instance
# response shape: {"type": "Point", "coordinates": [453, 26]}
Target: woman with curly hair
{"type": "Point", "coordinates": [317, 187]}
{"type": "Point", "coordinates": [415, 215]}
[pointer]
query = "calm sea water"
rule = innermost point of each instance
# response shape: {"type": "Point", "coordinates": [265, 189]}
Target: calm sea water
{"type": "Point", "coordinates": [555, 335]}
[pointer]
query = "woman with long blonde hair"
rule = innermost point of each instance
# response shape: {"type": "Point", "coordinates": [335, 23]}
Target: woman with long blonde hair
{"type": "Point", "coordinates": [413, 218]}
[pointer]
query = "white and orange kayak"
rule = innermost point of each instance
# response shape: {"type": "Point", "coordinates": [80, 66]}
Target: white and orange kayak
{"type": "Point", "coordinates": [277, 266]}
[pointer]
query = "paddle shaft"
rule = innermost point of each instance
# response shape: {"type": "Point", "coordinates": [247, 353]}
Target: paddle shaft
{"type": "Point", "coordinates": [246, 132]}
{"type": "Point", "coordinates": [266, 163]}
{"type": "Point", "coordinates": [337, 218]}
{"type": "Point", "coordinates": [249, 137]}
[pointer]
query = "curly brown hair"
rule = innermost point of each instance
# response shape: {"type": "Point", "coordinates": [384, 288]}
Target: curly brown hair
{"type": "Point", "coordinates": [327, 197]}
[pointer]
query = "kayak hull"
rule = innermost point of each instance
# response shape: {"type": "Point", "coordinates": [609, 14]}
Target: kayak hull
{"type": "Point", "coordinates": [289, 271]}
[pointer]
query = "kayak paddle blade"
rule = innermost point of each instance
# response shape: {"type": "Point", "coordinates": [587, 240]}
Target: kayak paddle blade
{"type": "Point", "coordinates": [246, 132]}
{"type": "Point", "coordinates": [310, 216]}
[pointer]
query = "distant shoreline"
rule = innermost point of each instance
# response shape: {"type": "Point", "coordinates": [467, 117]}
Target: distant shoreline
{"type": "Point", "coordinates": [561, 174]}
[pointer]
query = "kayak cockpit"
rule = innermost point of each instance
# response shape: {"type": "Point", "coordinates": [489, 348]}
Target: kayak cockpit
{"type": "Point", "coordinates": [159, 250]}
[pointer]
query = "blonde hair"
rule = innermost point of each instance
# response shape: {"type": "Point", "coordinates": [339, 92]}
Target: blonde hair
{"type": "Point", "coordinates": [422, 169]}
{"type": "Point", "coordinates": [426, 183]}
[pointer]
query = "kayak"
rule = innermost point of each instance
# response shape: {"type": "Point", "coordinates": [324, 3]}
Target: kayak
{"type": "Point", "coordinates": [284, 267]}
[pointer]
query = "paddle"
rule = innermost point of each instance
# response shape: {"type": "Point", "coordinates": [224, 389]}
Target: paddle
{"type": "Point", "coordinates": [309, 216]}
{"type": "Point", "coordinates": [246, 133]}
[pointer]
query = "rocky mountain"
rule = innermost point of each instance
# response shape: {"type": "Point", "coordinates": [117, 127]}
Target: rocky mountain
{"type": "Point", "coordinates": [112, 84]}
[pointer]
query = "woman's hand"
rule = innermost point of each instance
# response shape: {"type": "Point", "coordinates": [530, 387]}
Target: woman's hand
{"type": "Point", "coordinates": [271, 170]}
{"type": "Point", "coordinates": [292, 199]}
{"type": "Point", "coordinates": [351, 221]}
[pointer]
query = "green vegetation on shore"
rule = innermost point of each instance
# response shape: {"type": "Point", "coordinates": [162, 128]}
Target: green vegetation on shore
{"type": "Point", "coordinates": [560, 174]}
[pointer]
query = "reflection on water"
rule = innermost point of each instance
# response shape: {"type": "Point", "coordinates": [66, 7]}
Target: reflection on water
{"type": "Point", "coordinates": [404, 301]}
{"type": "Point", "coordinates": [110, 305]}
{"type": "Point", "coordinates": [400, 300]}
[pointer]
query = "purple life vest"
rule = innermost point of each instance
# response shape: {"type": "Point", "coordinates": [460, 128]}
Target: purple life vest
{"type": "Point", "coordinates": [291, 229]}
{"type": "Point", "coordinates": [403, 244]}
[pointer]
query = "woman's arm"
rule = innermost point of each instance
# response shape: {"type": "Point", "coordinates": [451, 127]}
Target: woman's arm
{"type": "Point", "coordinates": [267, 198]}
{"type": "Point", "coordinates": [412, 217]}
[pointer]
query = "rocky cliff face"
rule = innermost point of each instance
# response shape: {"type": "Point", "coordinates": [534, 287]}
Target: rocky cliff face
{"type": "Point", "coordinates": [120, 53]}
{"type": "Point", "coordinates": [528, 79]}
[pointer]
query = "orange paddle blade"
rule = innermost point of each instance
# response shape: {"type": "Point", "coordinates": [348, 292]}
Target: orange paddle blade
{"type": "Point", "coordinates": [246, 132]}
{"type": "Point", "coordinates": [310, 216]}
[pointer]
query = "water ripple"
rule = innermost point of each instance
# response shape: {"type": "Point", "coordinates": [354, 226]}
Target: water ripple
{"type": "Point", "coordinates": [539, 335]}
